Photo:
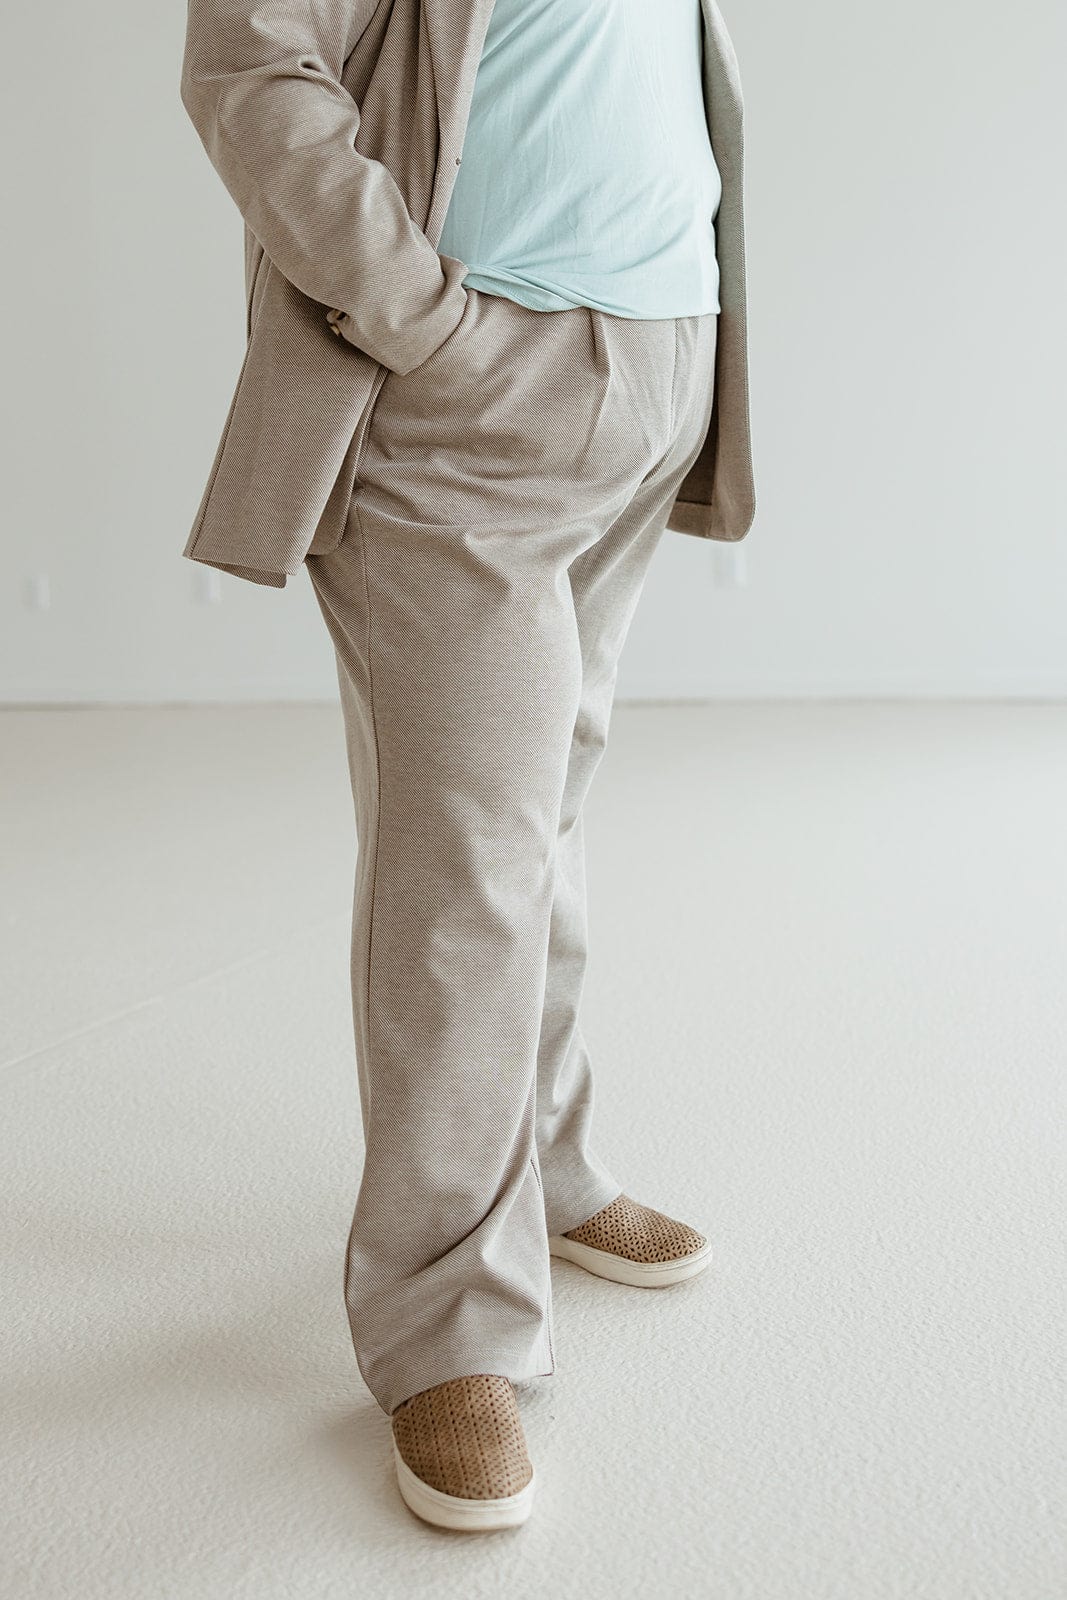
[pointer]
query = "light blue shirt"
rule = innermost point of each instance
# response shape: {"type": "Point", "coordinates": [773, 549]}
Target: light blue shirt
{"type": "Point", "coordinates": [587, 173]}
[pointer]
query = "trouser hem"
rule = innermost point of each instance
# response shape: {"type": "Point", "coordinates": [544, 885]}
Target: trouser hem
{"type": "Point", "coordinates": [391, 1393]}
{"type": "Point", "coordinates": [561, 1219]}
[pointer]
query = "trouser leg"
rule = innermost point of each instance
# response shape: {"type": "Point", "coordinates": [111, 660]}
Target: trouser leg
{"type": "Point", "coordinates": [459, 740]}
{"type": "Point", "coordinates": [606, 582]}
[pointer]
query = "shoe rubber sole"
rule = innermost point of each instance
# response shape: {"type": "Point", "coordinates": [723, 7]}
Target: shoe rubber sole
{"type": "Point", "coordinates": [641, 1274]}
{"type": "Point", "coordinates": [453, 1511]}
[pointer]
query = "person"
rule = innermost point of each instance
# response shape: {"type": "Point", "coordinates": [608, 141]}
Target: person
{"type": "Point", "coordinates": [496, 346]}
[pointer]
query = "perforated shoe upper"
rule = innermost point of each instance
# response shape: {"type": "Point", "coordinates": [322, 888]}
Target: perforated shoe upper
{"type": "Point", "coordinates": [638, 1233]}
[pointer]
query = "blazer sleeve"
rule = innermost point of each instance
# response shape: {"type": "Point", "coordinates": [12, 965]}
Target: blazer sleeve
{"type": "Point", "coordinates": [261, 81]}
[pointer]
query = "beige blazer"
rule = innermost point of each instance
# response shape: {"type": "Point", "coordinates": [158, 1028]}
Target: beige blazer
{"type": "Point", "coordinates": [337, 127]}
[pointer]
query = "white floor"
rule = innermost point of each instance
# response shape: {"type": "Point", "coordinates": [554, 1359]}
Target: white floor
{"type": "Point", "coordinates": [827, 1002]}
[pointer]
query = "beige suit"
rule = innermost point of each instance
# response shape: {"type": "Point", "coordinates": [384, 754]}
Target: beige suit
{"type": "Point", "coordinates": [477, 489]}
{"type": "Point", "coordinates": [338, 126]}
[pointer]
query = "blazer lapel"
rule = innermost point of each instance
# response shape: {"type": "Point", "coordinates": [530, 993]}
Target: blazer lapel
{"type": "Point", "coordinates": [455, 32]}
{"type": "Point", "coordinates": [722, 87]}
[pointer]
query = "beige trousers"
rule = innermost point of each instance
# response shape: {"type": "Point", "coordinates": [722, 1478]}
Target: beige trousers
{"type": "Point", "coordinates": [511, 492]}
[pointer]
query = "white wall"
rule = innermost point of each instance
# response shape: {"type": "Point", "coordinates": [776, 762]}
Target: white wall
{"type": "Point", "coordinates": [906, 228]}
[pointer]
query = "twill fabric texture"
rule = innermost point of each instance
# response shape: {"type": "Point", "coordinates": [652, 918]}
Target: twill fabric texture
{"type": "Point", "coordinates": [337, 127]}
{"type": "Point", "coordinates": [510, 492]}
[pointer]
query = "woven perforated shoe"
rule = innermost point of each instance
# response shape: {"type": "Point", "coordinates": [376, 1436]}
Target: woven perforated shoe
{"type": "Point", "coordinates": [631, 1243]}
{"type": "Point", "coordinates": [460, 1455]}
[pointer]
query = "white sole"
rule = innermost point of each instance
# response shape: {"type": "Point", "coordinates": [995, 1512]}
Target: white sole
{"type": "Point", "coordinates": [640, 1274]}
{"type": "Point", "coordinates": [452, 1511]}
